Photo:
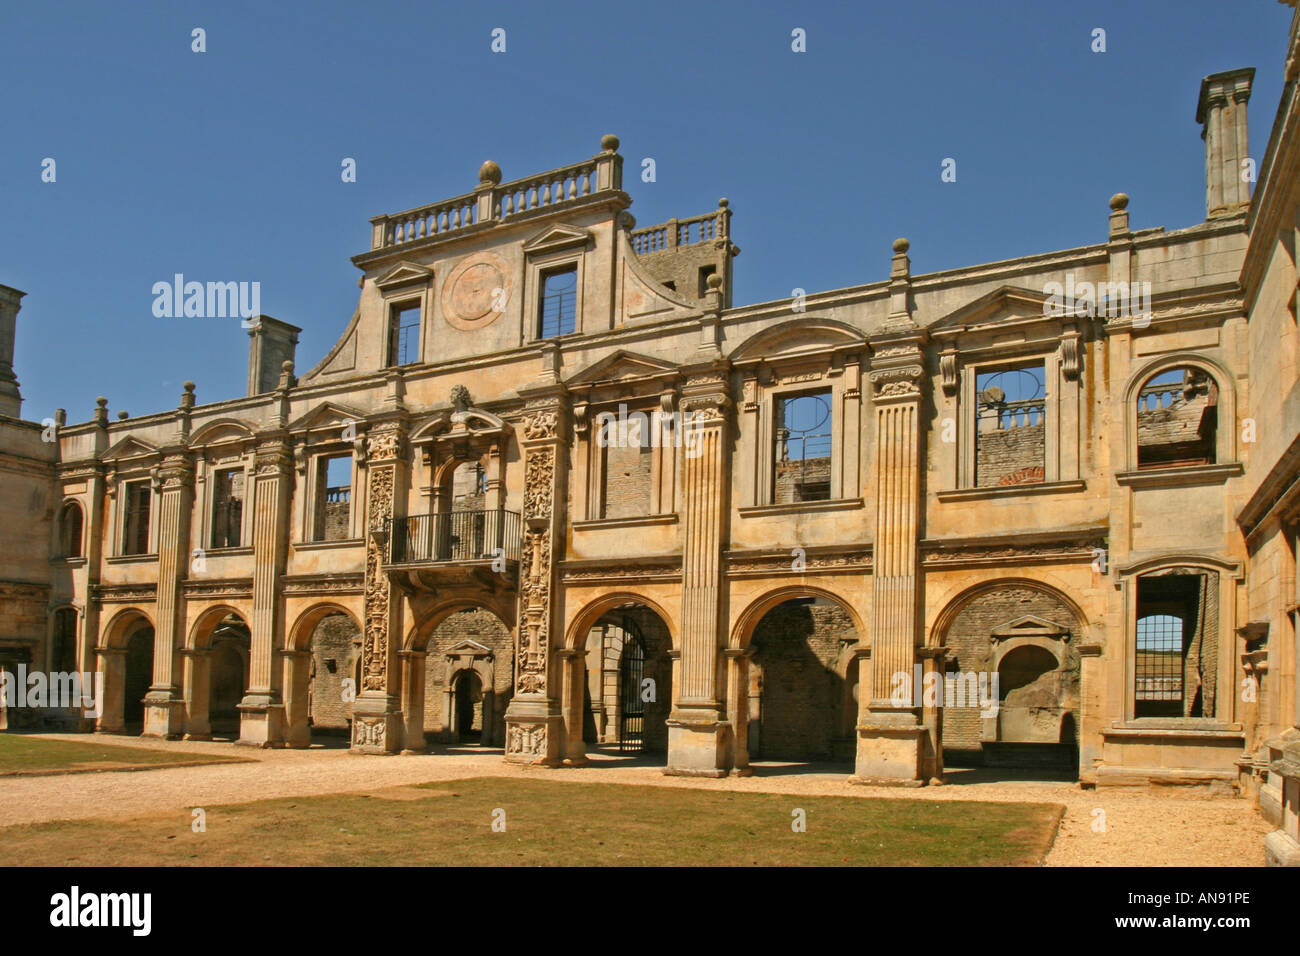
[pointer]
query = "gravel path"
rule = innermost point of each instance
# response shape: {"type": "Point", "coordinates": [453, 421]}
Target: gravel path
{"type": "Point", "coordinates": [1141, 827]}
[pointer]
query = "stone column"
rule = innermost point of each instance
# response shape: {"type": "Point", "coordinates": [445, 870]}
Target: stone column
{"type": "Point", "coordinates": [377, 713]}
{"type": "Point", "coordinates": [534, 725]}
{"type": "Point", "coordinates": [112, 664]}
{"type": "Point", "coordinates": [413, 664]}
{"type": "Point", "coordinates": [698, 731]}
{"type": "Point", "coordinates": [738, 707]}
{"type": "Point", "coordinates": [890, 735]}
{"type": "Point", "coordinates": [197, 687]}
{"type": "Point", "coordinates": [1221, 110]}
{"type": "Point", "coordinates": [261, 720]}
{"type": "Point", "coordinates": [164, 708]}
{"type": "Point", "coordinates": [573, 661]}
{"type": "Point", "coordinates": [296, 666]}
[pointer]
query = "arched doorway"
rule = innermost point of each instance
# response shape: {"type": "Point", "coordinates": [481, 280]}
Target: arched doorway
{"type": "Point", "coordinates": [138, 677]}
{"type": "Point", "coordinates": [322, 676]}
{"type": "Point", "coordinates": [621, 676]}
{"type": "Point", "coordinates": [1012, 679]}
{"type": "Point", "coordinates": [468, 670]}
{"type": "Point", "coordinates": [802, 692]}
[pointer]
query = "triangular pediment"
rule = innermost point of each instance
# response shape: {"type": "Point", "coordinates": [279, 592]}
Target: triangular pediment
{"type": "Point", "coordinates": [130, 447]}
{"type": "Point", "coordinates": [468, 646]}
{"type": "Point", "coordinates": [327, 415]}
{"type": "Point", "coordinates": [404, 273]}
{"type": "Point", "coordinates": [1030, 626]}
{"type": "Point", "coordinates": [555, 237]}
{"type": "Point", "coordinates": [621, 366]}
{"type": "Point", "coordinates": [1007, 304]}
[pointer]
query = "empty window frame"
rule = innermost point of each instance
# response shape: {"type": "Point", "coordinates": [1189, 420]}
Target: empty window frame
{"type": "Point", "coordinates": [63, 641]}
{"type": "Point", "coordinates": [71, 526]}
{"type": "Point", "coordinates": [1177, 419]}
{"type": "Point", "coordinates": [1176, 657]}
{"type": "Point", "coordinates": [404, 334]}
{"type": "Point", "coordinates": [1010, 426]}
{"type": "Point", "coordinates": [801, 455]}
{"type": "Point", "coordinates": [333, 511]}
{"type": "Point", "coordinates": [557, 310]}
{"type": "Point", "coordinates": [227, 507]}
{"type": "Point", "coordinates": [136, 500]}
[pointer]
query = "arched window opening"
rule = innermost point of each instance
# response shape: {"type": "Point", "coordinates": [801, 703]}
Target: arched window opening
{"type": "Point", "coordinates": [1177, 419]}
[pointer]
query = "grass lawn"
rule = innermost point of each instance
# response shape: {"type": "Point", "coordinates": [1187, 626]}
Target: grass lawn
{"type": "Point", "coordinates": [26, 755]}
{"type": "Point", "coordinates": [548, 823]}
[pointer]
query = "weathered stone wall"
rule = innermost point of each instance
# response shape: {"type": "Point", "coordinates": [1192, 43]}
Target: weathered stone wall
{"type": "Point", "coordinates": [483, 627]}
{"type": "Point", "coordinates": [627, 480]}
{"type": "Point", "coordinates": [970, 649]}
{"type": "Point", "coordinates": [336, 526]}
{"type": "Point", "coordinates": [806, 709]}
{"type": "Point", "coordinates": [805, 480]}
{"type": "Point", "coordinates": [335, 649]}
{"type": "Point", "coordinates": [1009, 456]}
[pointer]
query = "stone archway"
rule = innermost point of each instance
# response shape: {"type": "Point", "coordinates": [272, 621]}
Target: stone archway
{"type": "Point", "coordinates": [126, 661]}
{"type": "Point", "coordinates": [1012, 681]}
{"type": "Point", "coordinates": [801, 687]}
{"type": "Point", "coordinates": [600, 709]}
{"type": "Point", "coordinates": [216, 673]}
{"type": "Point", "coordinates": [322, 674]}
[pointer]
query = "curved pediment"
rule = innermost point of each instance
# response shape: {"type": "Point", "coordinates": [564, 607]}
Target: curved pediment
{"type": "Point", "coordinates": [803, 336]}
{"type": "Point", "coordinates": [220, 431]}
{"type": "Point", "coordinates": [470, 421]}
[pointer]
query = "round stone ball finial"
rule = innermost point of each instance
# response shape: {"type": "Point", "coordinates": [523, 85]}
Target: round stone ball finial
{"type": "Point", "coordinates": [1119, 201]}
{"type": "Point", "coordinates": [901, 245]}
{"type": "Point", "coordinates": [188, 386]}
{"type": "Point", "coordinates": [102, 402]}
{"type": "Point", "coordinates": [714, 281]}
{"type": "Point", "coordinates": [489, 173]}
{"type": "Point", "coordinates": [123, 415]}
{"type": "Point", "coordinates": [609, 143]}
{"type": "Point", "coordinates": [724, 202]}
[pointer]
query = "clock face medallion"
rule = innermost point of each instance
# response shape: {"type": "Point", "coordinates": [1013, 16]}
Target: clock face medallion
{"type": "Point", "coordinates": [476, 292]}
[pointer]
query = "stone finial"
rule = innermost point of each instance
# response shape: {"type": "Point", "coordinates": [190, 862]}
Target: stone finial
{"type": "Point", "coordinates": [489, 174]}
{"type": "Point", "coordinates": [187, 397]}
{"type": "Point", "coordinates": [286, 374]}
{"type": "Point", "coordinates": [1119, 215]}
{"type": "Point", "coordinates": [123, 415]}
{"type": "Point", "coordinates": [901, 245]}
{"type": "Point", "coordinates": [60, 417]}
{"type": "Point", "coordinates": [714, 282]}
{"type": "Point", "coordinates": [101, 410]}
{"type": "Point", "coordinates": [609, 143]}
{"type": "Point", "coordinates": [724, 202]}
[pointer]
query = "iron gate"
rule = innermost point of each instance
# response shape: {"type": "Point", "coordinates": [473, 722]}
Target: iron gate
{"type": "Point", "coordinates": [631, 669]}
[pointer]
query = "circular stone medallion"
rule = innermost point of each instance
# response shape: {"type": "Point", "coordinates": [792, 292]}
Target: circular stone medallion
{"type": "Point", "coordinates": [474, 290]}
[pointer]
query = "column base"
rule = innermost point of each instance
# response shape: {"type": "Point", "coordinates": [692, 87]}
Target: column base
{"type": "Point", "coordinates": [533, 732]}
{"type": "Point", "coordinates": [164, 715]}
{"type": "Point", "coordinates": [697, 745]}
{"type": "Point", "coordinates": [377, 726]}
{"type": "Point", "coordinates": [890, 752]}
{"type": "Point", "coordinates": [261, 722]}
{"type": "Point", "coordinates": [1280, 849]}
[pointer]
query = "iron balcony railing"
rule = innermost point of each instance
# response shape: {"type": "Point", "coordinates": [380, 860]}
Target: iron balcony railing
{"type": "Point", "coordinates": [454, 536]}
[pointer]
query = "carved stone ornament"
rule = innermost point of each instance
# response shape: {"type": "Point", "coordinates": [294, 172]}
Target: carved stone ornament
{"type": "Point", "coordinates": [542, 424]}
{"type": "Point", "coordinates": [897, 382]}
{"type": "Point", "coordinates": [527, 739]}
{"type": "Point", "coordinates": [383, 445]}
{"type": "Point", "coordinates": [377, 587]}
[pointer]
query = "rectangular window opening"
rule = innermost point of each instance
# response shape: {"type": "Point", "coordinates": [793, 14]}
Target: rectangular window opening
{"type": "Point", "coordinates": [227, 507]}
{"type": "Point", "coordinates": [135, 527]}
{"type": "Point", "coordinates": [1176, 654]}
{"type": "Point", "coordinates": [333, 512]}
{"type": "Point", "coordinates": [404, 334]}
{"type": "Point", "coordinates": [1010, 426]}
{"type": "Point", "coordinates": [801, 456]}
{"type": "Point", "coordinates": [557, 312]}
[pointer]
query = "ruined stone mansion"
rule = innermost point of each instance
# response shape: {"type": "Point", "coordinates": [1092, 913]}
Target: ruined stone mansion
{"type": "Point", "coordinates": [553, 491]}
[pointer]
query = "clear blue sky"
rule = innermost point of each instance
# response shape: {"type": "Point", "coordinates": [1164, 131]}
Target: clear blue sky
{"type": "Point", "coordinates": [225, 165]}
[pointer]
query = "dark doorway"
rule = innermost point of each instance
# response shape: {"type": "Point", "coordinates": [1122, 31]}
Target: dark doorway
{"type": "Point", "coordinates": [139, 675]}
{"type": "Point", "coordinates": [469, 707]}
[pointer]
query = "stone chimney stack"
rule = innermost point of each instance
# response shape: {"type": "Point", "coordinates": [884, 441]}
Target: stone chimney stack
{"type": "Point", "coordinates": [1221, 111]}
{"type": "Point", "coordinates": [273, 344]}
{"type": "Point", "coordinates": [11, 401]}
